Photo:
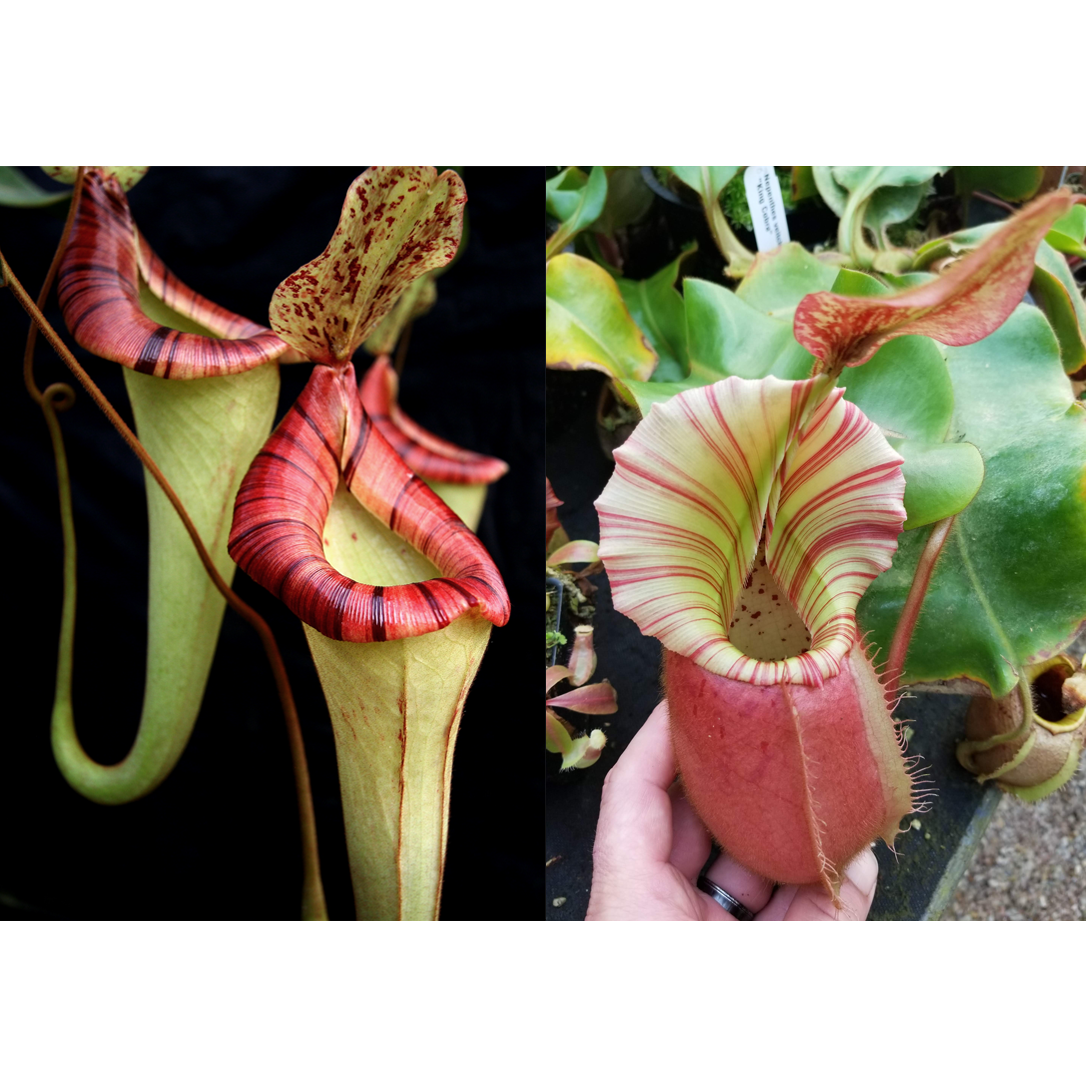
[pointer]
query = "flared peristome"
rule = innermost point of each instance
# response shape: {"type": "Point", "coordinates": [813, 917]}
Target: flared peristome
{"type": "Point", "coordinates": [720, 471]}
{"type": "Point", "coordinates": [284, 501]}
{"type": "Point", "coordinates": [114, 290]}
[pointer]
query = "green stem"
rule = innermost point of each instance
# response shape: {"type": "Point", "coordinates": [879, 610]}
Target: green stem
{"type": "Point", "coordinates": [737, 257]}
{"type": "Point", "coordinates": [560, 239]}
{"type": "Point", "coordinates": [850, 230]}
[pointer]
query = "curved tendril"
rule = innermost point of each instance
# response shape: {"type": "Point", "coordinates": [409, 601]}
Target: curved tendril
{"type": "Point", "coordinates": [914, 601]}
{"type": "Point", "coordinates": [313, 902]}
{"type": "Point", "coordinates": [36, 393]}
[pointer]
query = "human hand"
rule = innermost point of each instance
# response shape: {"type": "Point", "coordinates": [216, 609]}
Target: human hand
{"type": "Point", "coordinates": [650, 846]}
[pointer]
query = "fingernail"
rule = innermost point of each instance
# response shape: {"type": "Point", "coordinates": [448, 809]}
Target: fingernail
{"type": "Point", "coordinates": [863, 871]}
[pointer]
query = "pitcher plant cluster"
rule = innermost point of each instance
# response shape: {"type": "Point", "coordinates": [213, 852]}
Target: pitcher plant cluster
{"type": "Point", "coordinates": [567, 596]}
{"type": "Point", "coordinates": [359, 520]}
{"type": "Point", "coordinates": [858, 469]}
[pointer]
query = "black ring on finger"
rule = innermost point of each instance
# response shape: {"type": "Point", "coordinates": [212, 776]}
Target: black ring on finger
{"type": "Point", "coordinates": [724, 899]}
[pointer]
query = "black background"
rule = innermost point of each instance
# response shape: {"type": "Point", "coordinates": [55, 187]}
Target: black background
{"type": "Point", "coordinates": [219, 838]}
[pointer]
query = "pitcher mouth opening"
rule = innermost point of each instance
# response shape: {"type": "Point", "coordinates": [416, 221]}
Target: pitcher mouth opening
{"type": "Point", "coordinates": [768, 642]}
{"type": "Point", "coordinates": [711, 475]}
{"type": "Point", "coordinates": [765, 625]}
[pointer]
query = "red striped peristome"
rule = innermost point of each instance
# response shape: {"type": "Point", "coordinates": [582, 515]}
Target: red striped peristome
{"type": "Point", "coordinates": [717, 471]}
{"type": "Point", "coordinates": [283, 503]}
{"type": "Point", "coordinates": [423, 452]}
{"type": "Point", "coordinates": [963, 305]}
{"type": "Point", "coordinates": [98, 285]}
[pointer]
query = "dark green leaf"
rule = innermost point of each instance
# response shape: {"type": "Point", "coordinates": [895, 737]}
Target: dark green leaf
{"type": "Point", "coordinates": [1008, 182]}
{"type": "Point", "coordinates": [658, 309]}
{"type": "Point", "coordinates": [1054, 289]}
{"type": "Point", "coordinates": [576, 201]}
{"type": "Point", "coordinates": [941, 479]}
{"type": "Point", "coordinates": [905, 389]}
{"type": "Point", "coordinates": [628, 198]}
{"type": "Point", "coordinates": [1011, 582]}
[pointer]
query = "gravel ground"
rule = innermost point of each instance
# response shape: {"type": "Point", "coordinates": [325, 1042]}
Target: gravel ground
{"type": "Point", "coordinates": [1031, 864]}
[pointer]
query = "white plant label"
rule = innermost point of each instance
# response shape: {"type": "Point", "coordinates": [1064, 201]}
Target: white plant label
{"type": "Point", "coordinates": [766, 207]}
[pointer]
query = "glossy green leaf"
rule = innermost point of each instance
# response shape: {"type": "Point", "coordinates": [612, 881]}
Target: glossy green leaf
{"type": "Point", "coordinates": [645, 393]}
{"type": "Point", "coordinates": [830, 189]}
{"type": "Point", "coordinates": [964, 241]}
{"type": "Point", "coordinates": [905, 389]}
{"type": "Point", "coordinates": [941, 479]}
{"type": "Point", "coordinates": [576, 200]}
{"type": "Point", "coordinates": [1011, 581]}
{"type": "Point", "coordinates": [657, 307]}
{"type": "Point", "coordinates": [781, 277]}
{"type": "Point", "coordinates": [864, 180]}
{"type": "Point", "coordinates": [726, 337]}
{"type": "Point", "coordinates": [906, 280]}
{"type": "Point", "coordinates": [588, 324]}
{"type": "Point", "coordinates": [858, 284]}
{"type": "Point", "coordinates": [707, 181]}
{"type": "Point", "coordinates": [566, 193]}
{"type": "Point", "coordinates": [1054, 289]}
{"type": "Point", "coordinates": [1067, 232]}
{"type": "Point", "coordinates": [1008, 182]}
{"type": "Point", "coordinates": [17, 190]}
